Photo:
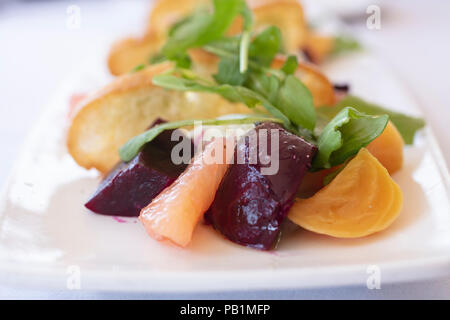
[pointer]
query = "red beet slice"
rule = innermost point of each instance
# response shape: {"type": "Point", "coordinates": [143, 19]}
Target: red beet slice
{"type": "Point", "coordinates": [249, 207]}
{"type": "Point", "coordinates": [131, 186]}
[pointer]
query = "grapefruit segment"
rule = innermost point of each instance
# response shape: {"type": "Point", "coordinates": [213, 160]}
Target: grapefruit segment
{"type": "Point", "coordinates": [175, 212]}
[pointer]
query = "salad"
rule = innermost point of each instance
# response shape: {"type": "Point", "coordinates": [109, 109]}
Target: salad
{"type": "Point", "coordinates": [227, 121]}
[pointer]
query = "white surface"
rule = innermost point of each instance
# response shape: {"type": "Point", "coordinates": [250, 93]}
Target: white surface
{"type": "Point", "coordinates": [41, 81]}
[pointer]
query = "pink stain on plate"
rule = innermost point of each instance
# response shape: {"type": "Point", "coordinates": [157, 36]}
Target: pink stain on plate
{"type": "Point", "coordinates": [120, 220]}
{"type": "Point", "coordinates": [74, 101]}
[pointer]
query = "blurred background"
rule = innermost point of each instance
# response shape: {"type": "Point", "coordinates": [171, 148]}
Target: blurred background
{"type": "Point", "coordinates": [40, 47]}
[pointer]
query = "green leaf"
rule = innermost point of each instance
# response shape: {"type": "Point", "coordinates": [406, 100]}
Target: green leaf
{"type": "Point", "coordinates": [138, 68]}
{"type": "Point", "coordinates": [202, 28]}
{"type": "Point", "coordinates": [228, 48]}
{"type": "Point", "coordinates": [225, 45]}
{"type": "Point", "coordinates": [229, 92]}
{"type": "Point", "coordinates": [245, 38]}
{"type": "Point", "coordinates": [183, 61]}
{"type": "Point", "coordinates": [344, 44]}
{"type": "Point", "coordinates": [406, 125]}
{"type": "Point", "coordinates": [265, 46]}
{"type": "Point", "coordinates": [229, 73]}
{"type": "Point", "coordinates": [130, 149]}
{"type": "Point", "coordinates": [185, 20]}
{"type": "Point", "coordinates": [296, 102]}
{"type": "Point", "coordinates": [290, 66]}
{"type": "Point", "coordinates": [232, 93]}
{"type": "Point", "coordinates": [348, 132]}
{"type": "Point", "coordinates": [157, 58]}
{"type": "Point", "coordinates": [232, 67]}
{"type": "Point", "coordinates": [289, 95]}
{"type": "Point", "coordinates": [243, 52]}
{"type": "Point", "coordinates": [264, 84]}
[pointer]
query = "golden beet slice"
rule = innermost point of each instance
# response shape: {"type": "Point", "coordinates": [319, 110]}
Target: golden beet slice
{"type": "Point", "coordinates": [388, 148]}
{"type": "Point", "coordinates": [361, 200]}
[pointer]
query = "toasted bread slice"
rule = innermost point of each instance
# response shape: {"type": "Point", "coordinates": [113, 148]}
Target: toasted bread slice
{"type": "Point", "coordinates": [318, 46]}
{"type": "Point", "coordinates": [286, 15]}
{"type": "Point", "coordinates": [126, 108]}
{"type": "Point", "coordinates": [130, 52]}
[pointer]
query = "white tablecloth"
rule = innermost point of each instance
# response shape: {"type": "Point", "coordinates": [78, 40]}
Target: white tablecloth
{"type": "Point", "coordinates": [38, 50]}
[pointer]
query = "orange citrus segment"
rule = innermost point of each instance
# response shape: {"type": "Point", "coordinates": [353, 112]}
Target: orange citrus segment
{"type": "Point", "coordinates": [175, 212]}
{"type": "Point", "coordinates": [361, 200]}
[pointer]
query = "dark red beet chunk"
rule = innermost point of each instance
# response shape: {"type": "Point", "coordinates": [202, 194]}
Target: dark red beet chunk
{"type": "Point", "coordinates": [131, 186]}
{"type": "Point", "coordinates": [249, 207]}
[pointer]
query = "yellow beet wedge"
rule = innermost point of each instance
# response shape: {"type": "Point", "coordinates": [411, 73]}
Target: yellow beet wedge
{"type": "Point", "coordinates": [388, 148]}
{"type": "Point", "coordinates": [361, 200]}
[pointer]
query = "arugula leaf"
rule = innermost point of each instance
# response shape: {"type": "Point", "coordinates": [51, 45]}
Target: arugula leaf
{"type": "Point", "coordinates": [280, 92]}
{"type": "Point", "coordinates": [290, 65]}
{"type": "Point", "coordinates": [266, 85]}
{"type": "Point", "coordinates": [203, 27]}
{"type": "Point", "coordinates": [261, 52]}
{"type": "Point", "coordinates": [245, 39]}
{"type": "Point", "coordinates": [138, 68]}
{"type": "Point", "coordinates": [224, 47]}
{"type": "Point", "coordinates": [296, 101]}
{"type": "Point", "coordinates": [289, 95]}
{"type": "Point", "coordinates": [406, 125]}
{"type": "Point", "coordinates": [265, 46]}
{"type": "Point", "coordinates": [348, 132]}
{"type": "Point", "coordinates": [229, 72]}
{"type": "Point", "coordinates": [191, 82]}
{"type": "Point", "coordinates": [184, 21]}
{"type": "Point", "coordinates": [157, 58]}
{"type": "Point", "coordinates": [343, 44]}
{"type": "Point", "coordinates": [284, 91]}
{"type": "Point", "coordinates": [130, 149]}
{"type": "Point", "coordinates": [245, 75]}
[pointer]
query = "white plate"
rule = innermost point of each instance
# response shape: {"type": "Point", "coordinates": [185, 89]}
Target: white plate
{"type": "Point", "coordinates": [320, 9]}
{"type": "Point", "coordinates": [47, 238]}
